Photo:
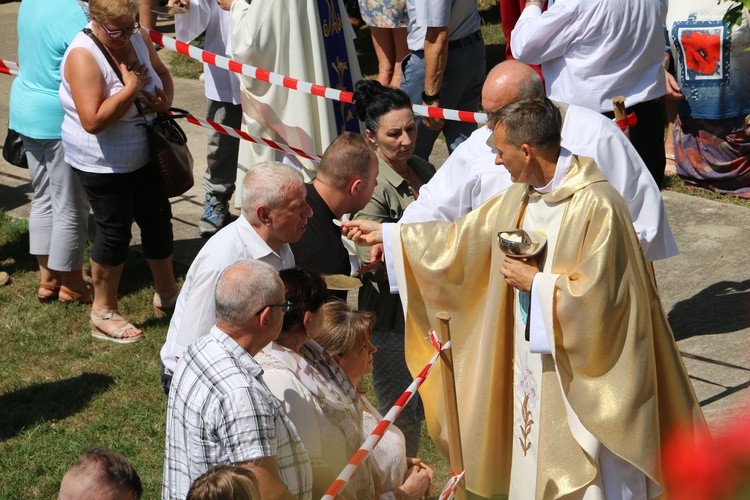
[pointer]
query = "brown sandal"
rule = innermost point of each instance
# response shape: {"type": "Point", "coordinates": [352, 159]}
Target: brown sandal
{"type": "Point", "coordinates": [84, 297]}
{"type": "Point", "coordinates": [118, 334]}
{"type": "Point", "coordinates": [44, 297]}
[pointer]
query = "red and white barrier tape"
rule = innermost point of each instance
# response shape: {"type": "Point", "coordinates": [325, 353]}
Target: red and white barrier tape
{"type": "Point", "coordinates": [451, 486]}
{"type": "Point", "coordinates": [8, 67]}
{"type": "Point", "coordinates": [294, 84]}
{"type": "Point", "coordinates": [210, 124]}
{"type": "Point", "coordinates": [11, 68]}
{"type": "Point", "coordinates": [374, 437]}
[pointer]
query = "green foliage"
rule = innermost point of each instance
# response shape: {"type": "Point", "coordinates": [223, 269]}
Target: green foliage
{"type": "Point", "coordinates": [733, 16]}
{"type": "Point", "coordinates": [679, 185]}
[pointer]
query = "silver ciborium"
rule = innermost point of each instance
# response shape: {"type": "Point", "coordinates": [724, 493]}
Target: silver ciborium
{"type": "Point", "coordinates": [520, 243]}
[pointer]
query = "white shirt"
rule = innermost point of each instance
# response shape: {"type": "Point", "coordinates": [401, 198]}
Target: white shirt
{"type": "Point", "coordinates": [195, 311]}
{"type": "Point", "coordinates": [469, 177]}
{"type": "Point", "coordinates": [206, 15]}
{"type": "Point", "coordinates": [120, 148]}
{"type": "Point", "coordinates": [591, 51]}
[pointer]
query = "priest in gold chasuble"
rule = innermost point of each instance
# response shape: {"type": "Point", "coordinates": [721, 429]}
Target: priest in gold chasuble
{"type": "Point", "coordinates": [567, 375]}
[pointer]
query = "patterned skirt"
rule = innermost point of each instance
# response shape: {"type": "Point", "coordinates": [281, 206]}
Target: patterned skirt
{"type": "Point", "coordinates": [384, 13]}
{"type": "Point", "coordinates": [714, 154]}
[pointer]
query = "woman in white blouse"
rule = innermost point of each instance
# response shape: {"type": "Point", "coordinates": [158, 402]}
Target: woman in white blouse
{"type": "Point", "coordinates": [346, 337]}
{"type": "Point", "coordinates": [317, 395]}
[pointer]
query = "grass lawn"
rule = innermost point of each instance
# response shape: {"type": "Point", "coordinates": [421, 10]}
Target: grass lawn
{"type": "Point", "coordinates": [61, 391]}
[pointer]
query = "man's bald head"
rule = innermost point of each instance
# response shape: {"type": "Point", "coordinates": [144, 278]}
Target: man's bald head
{"type": "Point", "coordinates": [101, 474]}
{"type": "Point", "coordinates": [508, 82]}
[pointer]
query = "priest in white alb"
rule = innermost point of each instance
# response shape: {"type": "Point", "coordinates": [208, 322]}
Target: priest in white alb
{"type": "Point", "coordinates": [567, 375]}
{"type": "Point", "coordinates": [311, 41]}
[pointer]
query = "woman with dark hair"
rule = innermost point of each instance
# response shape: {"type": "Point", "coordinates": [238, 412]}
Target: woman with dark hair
{"type": "Point", "coordinates": [317, 395]}
{"type": "Point", "coordinates": [392, 131]}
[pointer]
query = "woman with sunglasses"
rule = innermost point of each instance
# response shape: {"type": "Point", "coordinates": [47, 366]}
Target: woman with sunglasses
{"type": "Point", "coordinates": [317, 395]}
{"type": "Point", "coordinates": [109, 68]}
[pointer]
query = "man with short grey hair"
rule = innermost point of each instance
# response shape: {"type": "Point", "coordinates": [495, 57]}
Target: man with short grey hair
{"type": "Point", "coordinates": [274, 214]}
{"type": "Point", "coordinates": [219, 394]}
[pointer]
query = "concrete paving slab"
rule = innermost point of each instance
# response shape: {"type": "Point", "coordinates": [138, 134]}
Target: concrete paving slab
{"type": "Point", "coordinates": [705, 290]}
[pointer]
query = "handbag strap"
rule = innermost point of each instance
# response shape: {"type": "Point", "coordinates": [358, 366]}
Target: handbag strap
{"type": "Point", "coordinates": [112, 63]}
{"type": "Point", "coordinates": [173, 112]}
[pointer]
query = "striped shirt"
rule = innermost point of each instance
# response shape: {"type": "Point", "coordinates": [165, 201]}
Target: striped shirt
{"type": "Point", "coordinates": [220, 411]}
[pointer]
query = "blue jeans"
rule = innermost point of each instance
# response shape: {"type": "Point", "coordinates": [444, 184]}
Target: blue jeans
{"type": "Point", "coordinates": [461, 89]}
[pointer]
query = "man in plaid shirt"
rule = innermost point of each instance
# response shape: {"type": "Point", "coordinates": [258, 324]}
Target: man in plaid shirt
{"type": "Point", "coordinates": [220, 410]}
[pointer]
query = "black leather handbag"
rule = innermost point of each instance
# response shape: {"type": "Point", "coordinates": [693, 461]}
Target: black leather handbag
{"type": "Point", "coordinates": [13, 150]}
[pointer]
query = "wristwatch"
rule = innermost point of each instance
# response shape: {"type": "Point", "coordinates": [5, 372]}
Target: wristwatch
{"type": "Point", "coordinates": [429, 99]}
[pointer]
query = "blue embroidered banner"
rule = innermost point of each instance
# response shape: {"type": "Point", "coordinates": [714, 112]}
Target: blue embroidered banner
{"type": "Point", "coordinates": [339, 72]}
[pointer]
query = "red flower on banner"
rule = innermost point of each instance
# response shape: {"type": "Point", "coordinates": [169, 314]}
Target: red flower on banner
{"type": "Point", "coordinates": [702, 51]}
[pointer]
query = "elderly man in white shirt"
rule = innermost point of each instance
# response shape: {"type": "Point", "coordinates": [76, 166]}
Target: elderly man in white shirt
{"type": "Point", "coordinates": [222, 90]}
{"type": "Point", "coordinates": [591, 51]}
{"type": "Point", "coordinates": [470, 177]}
{"type": "Point", "coordinates": [274, 214]}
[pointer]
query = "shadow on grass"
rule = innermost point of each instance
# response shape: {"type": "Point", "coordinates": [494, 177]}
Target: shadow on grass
{"type": "Point", "coordinates": [14, 246]}
{"type": "Point", "coordinates": [48, 401]}
{"type": "Point", "coordinates": [720, 308]}
{"type": "Point", "coordinates": [15, 196]}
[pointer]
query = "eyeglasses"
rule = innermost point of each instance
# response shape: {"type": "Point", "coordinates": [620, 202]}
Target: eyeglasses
{"type": "Point", "coordinates": [285, 306]}
{"type": "Point", "coordinates": [124, 31]}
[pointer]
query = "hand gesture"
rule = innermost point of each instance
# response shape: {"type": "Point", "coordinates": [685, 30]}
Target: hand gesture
{"type": "Point", "coordinates": [136, 74]}
{"type": "Point", "coordinates": [418, 479]}
{"type": "Point", "coordinates": [519, 273]}
{"type": "Point", "coordinates": [673, 88]}
{"type": "Point", "coordinates": [158, 102]}
{"type": "Point", "coordinates": [363, 232]}
{"type": "Point", "coordinates": [433, 123]}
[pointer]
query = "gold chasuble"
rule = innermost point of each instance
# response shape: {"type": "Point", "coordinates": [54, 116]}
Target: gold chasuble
{"type": "Point", "coordinates": [616, 359]}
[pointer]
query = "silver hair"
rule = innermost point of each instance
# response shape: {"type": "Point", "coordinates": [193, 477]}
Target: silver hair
{"type": "Point", "coordinates": [243, 289]}
{"type": "Point", "coordinates": [267, 183]}
{"type": "Point", "coordinates": [531, 87]}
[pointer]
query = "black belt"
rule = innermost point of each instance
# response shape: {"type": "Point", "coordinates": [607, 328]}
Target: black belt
{"type": "Point", "coordinates": [467, 40]}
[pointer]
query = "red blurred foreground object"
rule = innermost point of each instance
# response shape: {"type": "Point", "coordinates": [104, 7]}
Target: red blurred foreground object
{"type": "Point", "coordinates": [715, 467]}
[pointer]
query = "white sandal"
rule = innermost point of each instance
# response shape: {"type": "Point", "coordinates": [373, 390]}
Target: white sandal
{"type": "Point", "coordinates": [117, 335]}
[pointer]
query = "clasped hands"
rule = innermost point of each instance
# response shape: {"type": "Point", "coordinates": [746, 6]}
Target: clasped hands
{"type": "Point", "coordinates": [138, 74]}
